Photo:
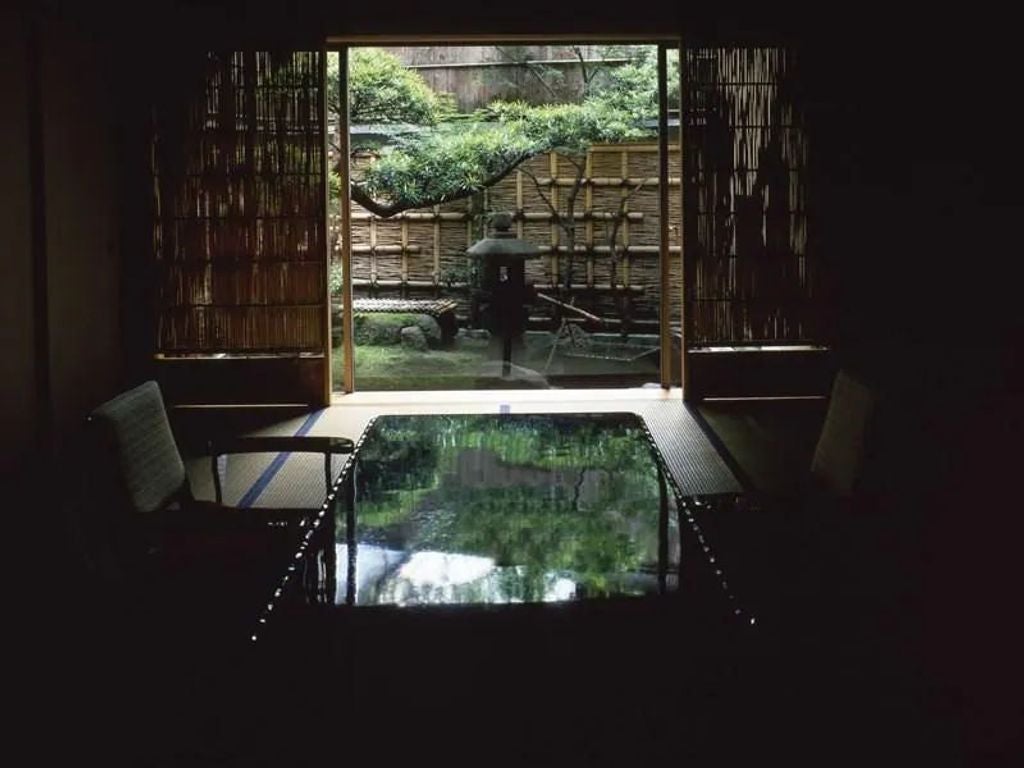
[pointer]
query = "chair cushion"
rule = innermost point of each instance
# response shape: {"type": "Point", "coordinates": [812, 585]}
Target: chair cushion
{"type": "Point", "coordinates": [839, 454]}
{"type": "Point", "coordinates": [152, 472]}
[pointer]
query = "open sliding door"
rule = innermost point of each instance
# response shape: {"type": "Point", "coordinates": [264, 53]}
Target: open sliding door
{"type": "Point", "coordinates": [755, 319]}
{"type": "Point", "coordinates": [576, 143]}
{"type": "Point", "coordinates": [239, 228]}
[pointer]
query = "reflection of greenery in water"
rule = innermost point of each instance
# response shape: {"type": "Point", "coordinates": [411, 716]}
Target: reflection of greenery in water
{"type": "Point", "coordinates": [540, 495]}
{"type": "Point", "coordinates": [525, 526]}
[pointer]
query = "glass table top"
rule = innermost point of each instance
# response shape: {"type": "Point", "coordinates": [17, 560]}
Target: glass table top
{"type": "Point", "coordinates": [482, 509]}
{"type": "Point", "coordinates": [499, 509]}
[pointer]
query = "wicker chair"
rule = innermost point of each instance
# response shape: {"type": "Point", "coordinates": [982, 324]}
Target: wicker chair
{"type": "Point", "coordinates": [147, 532]}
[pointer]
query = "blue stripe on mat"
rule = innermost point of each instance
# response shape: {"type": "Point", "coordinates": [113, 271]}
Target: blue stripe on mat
{"type": "Point", "coordinates": [274, 467]}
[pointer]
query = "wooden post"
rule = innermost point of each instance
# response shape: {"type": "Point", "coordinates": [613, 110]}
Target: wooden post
{"type": "Point", "coordinates": [325, 193]}
{"type": "Point", "coordinates": [664, 302]}
{"type": "Point", "coordinates": [687, 265]}
{"type": "Point", "coordinates": [346, 223]}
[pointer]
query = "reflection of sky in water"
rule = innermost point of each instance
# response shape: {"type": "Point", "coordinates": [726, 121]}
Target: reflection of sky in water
{"type": "Point", "coordinates": [421, 578]}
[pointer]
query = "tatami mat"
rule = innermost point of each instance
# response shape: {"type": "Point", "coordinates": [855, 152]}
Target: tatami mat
{"type": "Point", "coordinates": [297, 480]}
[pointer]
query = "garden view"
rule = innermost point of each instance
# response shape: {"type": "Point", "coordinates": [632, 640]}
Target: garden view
{"type": "Point", "coordinates": [562, 138]}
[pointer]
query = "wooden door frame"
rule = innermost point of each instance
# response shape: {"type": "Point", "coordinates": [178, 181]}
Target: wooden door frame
{"type": "Point", "coordinates": [340, 44]}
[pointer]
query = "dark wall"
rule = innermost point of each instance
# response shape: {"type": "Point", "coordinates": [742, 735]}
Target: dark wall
{"type": "Point", "coordinates": [61, 287]}
{"type": "Point", "coordinates": [918, 189]}
{"type": "Point", "coordinates": [917, 201]}
{"type": "Point", "coordinates": [79, 115]}
{"type": "Point", "coordinates": [918, 198]}
{"type": "Point", "coordinates": [17, 319]}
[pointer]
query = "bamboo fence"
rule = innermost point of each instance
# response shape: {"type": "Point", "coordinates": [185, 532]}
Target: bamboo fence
{"type": "Point", "coordinates": [422, 253]}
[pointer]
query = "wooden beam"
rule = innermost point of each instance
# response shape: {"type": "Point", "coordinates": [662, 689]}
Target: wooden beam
{"type": "Point", "coordinates": [326, 193]}
{"type": "Point", "coordinates": [687, 265]}
{"type": "Point", "coordinates": [665, 302]}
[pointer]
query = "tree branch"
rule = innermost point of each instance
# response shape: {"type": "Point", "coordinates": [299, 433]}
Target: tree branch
{"type": "Point", "coordinates": [554, 211]}
{"type": "Point", "coordinates": [587, 75]}
{"type": "Point", "coordinates": [613, 252]}
{"type": "Point", "coordinates": [387, 210]}
{"type": "Point", "coordinates": [619, 218]}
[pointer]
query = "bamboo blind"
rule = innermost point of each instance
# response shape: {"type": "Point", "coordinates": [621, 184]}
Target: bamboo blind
{"type": "Point", "coordinates": [411, 253]}
{"type": "Point", "coordinates": [745, 200]}
{"type": "Point", "coordinates": [239, 210]}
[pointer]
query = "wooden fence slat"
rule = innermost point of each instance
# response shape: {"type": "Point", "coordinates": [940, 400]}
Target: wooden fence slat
{"type": "Point", "coordinates": [436, 271]}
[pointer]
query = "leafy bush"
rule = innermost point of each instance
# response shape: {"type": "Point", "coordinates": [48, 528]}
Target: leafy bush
{"type": "Point", "coordinates": [632, 89]}
{"type": "Point", "coordinates": [446, 163]}
{"type": "Point", "coordinates": [381, 90]}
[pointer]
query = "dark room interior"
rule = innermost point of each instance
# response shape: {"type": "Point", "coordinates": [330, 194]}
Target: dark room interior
{"type": "Point", "coordinates": [904, 650]}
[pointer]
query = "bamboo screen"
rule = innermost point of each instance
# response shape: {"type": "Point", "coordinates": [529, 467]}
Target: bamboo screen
{"type": "Point", "coordinates": [753, 279]}
{"type": "Point", "coordinates": [422, 253]}
{"type": "Point", "coordinates": [239, 224]}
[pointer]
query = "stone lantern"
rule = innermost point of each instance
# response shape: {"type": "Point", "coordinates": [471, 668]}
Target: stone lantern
{"type": "Point", "coordinates": [502, 297]}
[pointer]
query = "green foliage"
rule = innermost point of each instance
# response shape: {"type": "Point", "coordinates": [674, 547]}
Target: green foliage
{"type": "Point", "coordinates": [393, 367]}
{"type": "Point", "coordinates": [631, 89]}
{"type": "Point", "coordinates": [455, 156]}
{"type": "Point", "coordinates": [536, 517]}
{"type": "Point", "coordinates": [446, 163]}
{"type": "Point", "coordinates": [381, 90]}
{"type": "Point", "coordinates": [461, 272]}
{"type": "Point", "coordinates": [454, 161]}
{"type": "Point", "coordinates": [381, 328]}
{"type": "Point", "coordinates": [568, 128]}
{"type": "Point", "coordinates": [335, 278]}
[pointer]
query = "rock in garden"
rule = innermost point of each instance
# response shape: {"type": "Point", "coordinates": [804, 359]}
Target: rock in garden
{"type": "Point", "coordinates": [413, 338]}
{"type": "Point", "coordinates": [431, 329]}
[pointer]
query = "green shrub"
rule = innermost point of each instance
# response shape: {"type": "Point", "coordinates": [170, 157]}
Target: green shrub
{"type": "Point", "coordinates": [381, 90]}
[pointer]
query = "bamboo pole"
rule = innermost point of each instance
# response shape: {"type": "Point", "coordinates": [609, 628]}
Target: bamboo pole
{"type": "Point", "coordinates": [373, 249]}
{"type": "Point", "coordinates": [624, 170]}
{"type": "Point", "coordinates": [606, 181]}
{"type": "Point", "coordinates": [434, 215]}
{"type": "Point", "coordinates": [588, 203]}
{"type": "Point", "coordinates": [405, 250]}
{"type": "Point", "coordinates": [520, 215]}
{"type": "Point", "coordinates": [436, 272]}
{"type": "Point", "coordinates": [553, 166]}
{"type": "Point", "coordinates": [362, 282]}
{"type": "Point", "coordinates": [386, 250]}
{"type": "Point", "coordinates": [635, 250]}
